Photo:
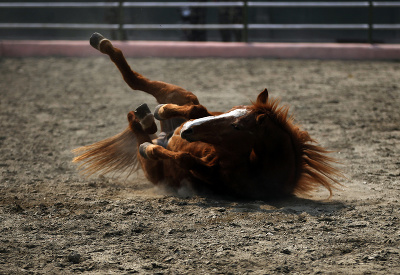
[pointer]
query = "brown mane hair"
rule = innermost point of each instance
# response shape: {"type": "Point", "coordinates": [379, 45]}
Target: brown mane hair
{"type": "Point", "coordinates": [314, 167]}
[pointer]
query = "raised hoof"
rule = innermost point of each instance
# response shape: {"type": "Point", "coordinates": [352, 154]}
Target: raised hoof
{"type": "Point", "coordinates": [96, 39]}
{"type": "Point", "coordinates": [142, 111]}
{"type": "Point", "coordinates": [157, 112]}
{"type": "Point", "coordinates": [142, 149]}
{"type": "Point", "coordinates": [146, 119]}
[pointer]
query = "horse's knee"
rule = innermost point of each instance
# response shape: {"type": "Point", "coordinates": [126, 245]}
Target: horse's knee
{"type": "Point", "coordinates": [165, 111]}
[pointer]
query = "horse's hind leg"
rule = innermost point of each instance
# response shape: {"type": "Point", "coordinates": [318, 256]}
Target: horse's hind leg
{"type": "Point", "coordinates": [163, 92]}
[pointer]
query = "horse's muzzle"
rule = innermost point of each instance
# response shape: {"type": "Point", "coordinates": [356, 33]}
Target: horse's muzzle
{"type": "Point", "coordinates": [188, 134]}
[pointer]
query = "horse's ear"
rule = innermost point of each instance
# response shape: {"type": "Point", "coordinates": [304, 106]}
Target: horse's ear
{"type": "Point", "coordinates": [263, 97]}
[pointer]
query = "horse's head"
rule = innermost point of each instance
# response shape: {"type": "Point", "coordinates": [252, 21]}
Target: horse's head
{"type": "Point", "coordinates": [272, 142]}
{"type": "Point", "coordinates": [237, 129]}
{"type": "Point", "coordinates": [227, 130]}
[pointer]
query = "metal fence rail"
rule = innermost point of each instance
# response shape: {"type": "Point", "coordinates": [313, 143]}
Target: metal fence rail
{"type": "Point", "coordinates": [71, 26]}
{"type": "Point", "coordinates": [245, 26]}
{"type": "Point", "coordinates": [197, 4]}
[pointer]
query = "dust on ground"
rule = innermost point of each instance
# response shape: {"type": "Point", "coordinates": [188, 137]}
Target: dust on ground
{"type": "Point", "coordinates": [55, 221]}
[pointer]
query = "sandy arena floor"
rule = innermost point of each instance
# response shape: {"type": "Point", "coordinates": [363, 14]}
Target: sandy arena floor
{"type": "Point", "coordinates": [52, 220]}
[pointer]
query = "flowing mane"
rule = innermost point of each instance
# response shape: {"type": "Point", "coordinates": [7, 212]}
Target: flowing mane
{"type": "Point", "coordinates": [314, 167]}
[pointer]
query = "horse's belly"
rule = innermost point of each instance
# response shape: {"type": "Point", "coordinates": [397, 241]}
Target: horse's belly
{"type": "Point", "coordinates": [174, 175]}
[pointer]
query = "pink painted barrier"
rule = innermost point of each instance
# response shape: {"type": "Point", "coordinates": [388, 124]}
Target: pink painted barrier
{"type": "Point", "coordinates": [28, 48]}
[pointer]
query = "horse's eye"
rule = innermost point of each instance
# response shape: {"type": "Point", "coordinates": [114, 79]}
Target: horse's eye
{"type": "Point", "coordinates": [235, 126]}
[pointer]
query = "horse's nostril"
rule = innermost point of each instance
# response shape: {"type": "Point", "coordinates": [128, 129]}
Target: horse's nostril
{"type": "Point", "coordinates": [187, 133]}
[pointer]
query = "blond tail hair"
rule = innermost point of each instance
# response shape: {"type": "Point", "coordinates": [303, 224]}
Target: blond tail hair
{"type": "Point", "coordinates": [116, 155]}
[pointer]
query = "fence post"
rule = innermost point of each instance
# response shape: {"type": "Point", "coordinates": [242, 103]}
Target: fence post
{"type": "Point", "coordinates": [370, 22]}
{"type": "Point", "coordinates": [245, 22]}
{"type": "Point", "coordinates": [121, 32]}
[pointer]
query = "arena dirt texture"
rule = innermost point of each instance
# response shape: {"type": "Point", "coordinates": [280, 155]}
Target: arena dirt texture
{"type": "Point", "coordinates": [55, 221]}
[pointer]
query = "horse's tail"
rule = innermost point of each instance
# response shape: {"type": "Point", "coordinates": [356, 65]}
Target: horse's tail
{"type": "Point", "coordinates": [117, 154]}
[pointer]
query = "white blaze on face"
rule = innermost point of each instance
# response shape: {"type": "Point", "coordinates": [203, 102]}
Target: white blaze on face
{"type": "Point", "coordinates": [235, 113]}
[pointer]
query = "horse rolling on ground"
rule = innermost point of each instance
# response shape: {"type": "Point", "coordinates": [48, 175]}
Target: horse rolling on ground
{"type": "Point", "coordinates": [253, 152]}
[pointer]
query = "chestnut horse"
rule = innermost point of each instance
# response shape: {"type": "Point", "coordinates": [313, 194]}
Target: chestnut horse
{"type": "Point", "coordinates": [254, 152]}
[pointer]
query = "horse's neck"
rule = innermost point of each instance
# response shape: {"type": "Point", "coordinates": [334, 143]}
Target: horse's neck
{"type": "Point", "coordinates": [275, 157]}
{"type": "Point", "coordinates": [233, 161]}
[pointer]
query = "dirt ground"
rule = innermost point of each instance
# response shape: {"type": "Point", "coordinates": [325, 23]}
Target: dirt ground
{"type": "Point", "coordinates": [55, 221]}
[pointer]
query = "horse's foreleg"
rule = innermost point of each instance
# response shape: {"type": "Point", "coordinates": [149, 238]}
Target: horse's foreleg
{"type": "Point", "coordinates": [163, 92]}
{"type": "Point", "coordinates": [167, 111]}
{"type": "Point", "coordinates": [146, 119]}
{"type": "Point", "coordinates": [183, 159]}
{"type": "Point", "coordinates": [152, 169]}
